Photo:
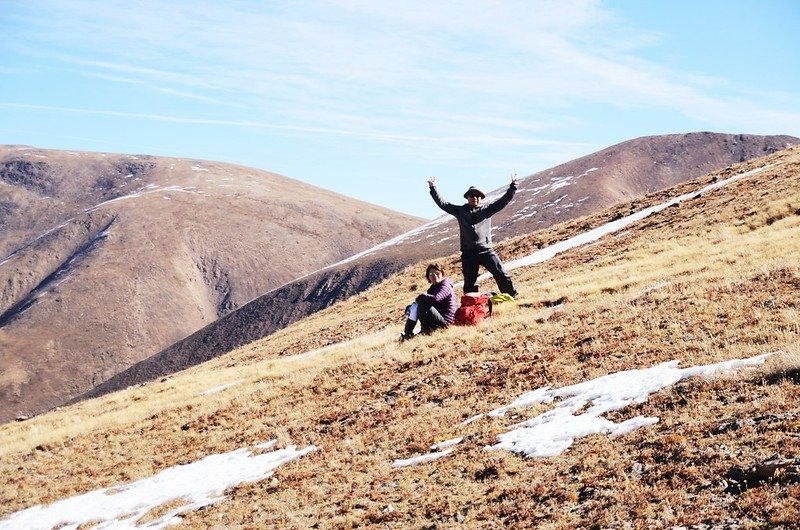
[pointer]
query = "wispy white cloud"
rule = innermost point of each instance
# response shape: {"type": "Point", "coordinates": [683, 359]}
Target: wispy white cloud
{"type": "Point", "coordinates": [180, 93]}
{"type": "Point", "coordinates": [358, 58]}
{"type": "Point", "coordinates": [6, 70]}
{"type": "Point", "coordinates": [317, 130]}
{"type": "Point", "coordinates": [469, 85]}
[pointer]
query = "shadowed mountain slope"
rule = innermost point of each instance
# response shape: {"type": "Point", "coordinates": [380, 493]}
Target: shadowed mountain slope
{"type": "Point", "coordinates": [107, 259]}
{"type": "Point", "coordinates": [569, 191]}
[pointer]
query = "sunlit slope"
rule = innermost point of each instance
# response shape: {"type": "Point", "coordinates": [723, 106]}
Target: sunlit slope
{"type": "Point", "coordinates": [106, 259]}
{"type": "Point", "coordinates": [711, 279]}
{"type": "Point", "coordinates": [575, 189]}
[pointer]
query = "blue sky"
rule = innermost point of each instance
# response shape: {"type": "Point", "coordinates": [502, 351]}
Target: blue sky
{"type": "Point", "coordinates": [369, 99]}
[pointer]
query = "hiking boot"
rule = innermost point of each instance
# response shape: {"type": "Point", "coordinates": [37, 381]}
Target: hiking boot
{"type": "Point", "coordinates": [406, 336]}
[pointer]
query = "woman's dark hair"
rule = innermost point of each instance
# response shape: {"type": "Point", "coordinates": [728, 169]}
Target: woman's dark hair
{"type": "Point", "coordinates": [434, 267]}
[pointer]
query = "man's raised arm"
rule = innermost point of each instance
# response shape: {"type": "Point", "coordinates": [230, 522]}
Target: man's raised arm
{"type": "Point", "coordinates": [444, 205]}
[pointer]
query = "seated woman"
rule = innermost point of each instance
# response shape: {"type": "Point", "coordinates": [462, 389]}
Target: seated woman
{"type": "Point", "coordinates": [433, 309]}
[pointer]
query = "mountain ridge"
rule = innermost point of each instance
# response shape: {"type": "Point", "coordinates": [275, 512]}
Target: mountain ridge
{"type": "Point", "coordinates": [107, 258]}
{"type": "Point", "coordinates": [710, 280]}
{"type": "Point", "coordinates": [539, 203]}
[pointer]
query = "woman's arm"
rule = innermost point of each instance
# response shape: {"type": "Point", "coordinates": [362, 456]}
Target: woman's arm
{"type": "Point", "coordinates": [437, 294]}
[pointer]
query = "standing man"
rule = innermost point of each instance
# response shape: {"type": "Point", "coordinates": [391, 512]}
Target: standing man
{"type": "Point", "coordinates": [475, 226]}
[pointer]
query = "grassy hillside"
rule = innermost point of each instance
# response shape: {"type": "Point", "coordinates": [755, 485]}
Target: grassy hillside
{"type": "Point", "coordinates": [107, 259]}
{"type": "Point", "coordinates": [712, 279]}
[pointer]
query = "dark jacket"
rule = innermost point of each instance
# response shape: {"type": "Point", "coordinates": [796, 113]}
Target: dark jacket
{"type": "Point", "coordinates": [442, 296]}
{"type": "Point", "coordinates": [475, 225]}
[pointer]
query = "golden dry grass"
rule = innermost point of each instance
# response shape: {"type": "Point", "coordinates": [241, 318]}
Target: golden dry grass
{"type": "Point", "coordinates": [713, 279]}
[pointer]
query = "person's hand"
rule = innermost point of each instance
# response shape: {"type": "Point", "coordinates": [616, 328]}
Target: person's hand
{"type": "Point", "coordinates": [432, 182]}
{"type": "Point", "coordinates": [514, 180]}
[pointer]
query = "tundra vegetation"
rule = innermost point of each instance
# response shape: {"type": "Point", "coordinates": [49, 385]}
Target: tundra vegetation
{"type": "Point", "coordinates": [712, 279]}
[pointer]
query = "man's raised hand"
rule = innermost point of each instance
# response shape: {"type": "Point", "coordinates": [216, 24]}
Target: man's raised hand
{"type": "Point", "coordinates": [432, 182]}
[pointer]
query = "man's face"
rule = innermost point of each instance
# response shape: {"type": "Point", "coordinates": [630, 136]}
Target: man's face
{"type": "Point", "coordinates": [474, 200]}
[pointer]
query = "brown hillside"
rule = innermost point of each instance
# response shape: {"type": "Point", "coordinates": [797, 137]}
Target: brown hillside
{"type": "Point", "coordinates": [712, 279]}
{"type": "Point", "coordinates": [107, 259]}
{"type": "Point", "coordinates": [569, 191]}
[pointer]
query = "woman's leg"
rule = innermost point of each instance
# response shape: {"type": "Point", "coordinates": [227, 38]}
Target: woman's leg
{"type": "Point", "coordinates": [411, 321]}
{"type": "Point", "coordinates": [430, 319]}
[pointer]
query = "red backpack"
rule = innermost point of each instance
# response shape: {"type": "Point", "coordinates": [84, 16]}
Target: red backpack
{"type": "Point", "coordinates": [474, 308]}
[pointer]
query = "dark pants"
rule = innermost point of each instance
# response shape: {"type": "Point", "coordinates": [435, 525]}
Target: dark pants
{"type": "Point", "coordinates": [472, 259]}
{"type": "Point", "coordinates": [429, 319]}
